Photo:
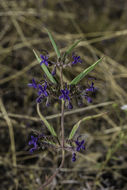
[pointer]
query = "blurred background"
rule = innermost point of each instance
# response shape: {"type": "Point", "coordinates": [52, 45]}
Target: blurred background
{"type": "Point", "coordinates": [103, 26]}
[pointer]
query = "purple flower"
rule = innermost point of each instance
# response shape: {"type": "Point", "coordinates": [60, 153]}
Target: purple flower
{"type": "Point", "coordinates": [44, 60]}
{"type": "Point", "coordinates": [33, 84]}
{"type": "Point", "coordinates": [79, 145]}
{"type": "Point", "coordinates": [65, 94]}
{"type": "Point", "coordinates": [76, 59]}
{"type": "Point", "coordinates": [42, 89]}
{"type": "Point", "coordinates": [74, 157]}
{"type": "Point", "coordinates": [33, 142]}
{"type": "Point", "coordinates": [42, 92]}
{"type": "Point", "coordinates": [91, 88]}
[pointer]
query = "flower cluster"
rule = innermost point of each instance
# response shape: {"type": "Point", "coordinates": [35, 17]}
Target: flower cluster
{"type": "Point", "coordinates": [41, 90]}
{"type": "Point", "coordinates": [44, 60]}
{"type": "Point", "coordinates": [65, 96]}
{"type": "Point", "coordinates": [90, 89]}
{"type": "Point", "coordinates": [33, 142]}
{"type": "Point", "coordinates": [48, 90]}
{"type": "Point", "coordinates": [33, 84]}
{"type": "Point", "coordinates": [42, 141]}
{"type": "Point", "coordinates": [79, 146]}
{"type": "Point", "coordinates": [76, 59]}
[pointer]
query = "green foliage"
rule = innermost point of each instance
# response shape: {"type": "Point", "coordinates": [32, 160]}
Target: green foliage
{"type": "Point", "coordinates": [45, 69]}
{"type": "Point", "coordinates": [71, 48]}
{"type": "Point", "coordinates": [50, 128]}
{"type": "Point", "coordinates": [53, 44]}
{"type": "Point", "coordinates": [84, 73]}
{"type": "Point", "coordinates": [76, 126]}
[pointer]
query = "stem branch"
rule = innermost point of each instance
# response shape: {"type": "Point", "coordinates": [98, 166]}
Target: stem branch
{"type": "Point", "coordinates": [49, 180]}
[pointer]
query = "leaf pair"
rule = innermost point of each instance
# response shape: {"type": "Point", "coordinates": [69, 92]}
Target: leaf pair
{"type": "Point", "coordinates": [69, 50]}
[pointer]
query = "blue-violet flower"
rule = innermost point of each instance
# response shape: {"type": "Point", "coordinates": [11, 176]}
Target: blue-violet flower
{"type": "Point", "coordinates": [79, 145]}
{"type": "Point", "coordinates": [76, 59]}
{"type": "Point", "coordinates": [74, 157]}
{"type": "Point", "coordinates": [33, 142]}
{"type": "Point", "coordinates": [33, 84]}
{"type": "Point", "coordinates": [91, 88]}
{"type": "Point", "coordinates": [42, 92]}
{"type": "Point", "coordinates": [65, 96]}
{"type": "Point", "coordinates": [44, 60]}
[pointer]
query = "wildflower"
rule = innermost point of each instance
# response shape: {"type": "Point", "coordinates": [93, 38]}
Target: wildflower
{"type": "Point", "coordinates": [76, 59]}
{"type": "Point", "coordinates": [33, 142]}
{"type": "Point", "coordinates": [74, 157]}
{"type": "Point", "coordinates": [79, 145]}
{"type": "Point", "coordinates": [42, 89]}
{"type": "Point", "coordinates": [65, 94]}
{"type": "Point", "coordinates": [91, 88]}
{"type": "Point", "coordinates": [44, 60]}
{"type": "Point", "coordinates": [33, 84]}
{"type": "Point", "coordinates": [42, 92]}
{"type": "Point", "coordinates": [65, 97]}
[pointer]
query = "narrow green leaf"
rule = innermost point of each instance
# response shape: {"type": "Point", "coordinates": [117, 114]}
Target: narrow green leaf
{"type": "Point", "coordinates": [45, 69]}
{"type": "Point", "coordinates": [71, 48]}
{"type": "Point", "coordinates": [54, 44]}
{"type": "Point", "coordinates": [51, 78]}
{"type": "Point", "coordinates": [50, 128]}
{"type": "Point", "coordinates": [76, 126]}
{"type": "Point", "coordinates": [84, 73]}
